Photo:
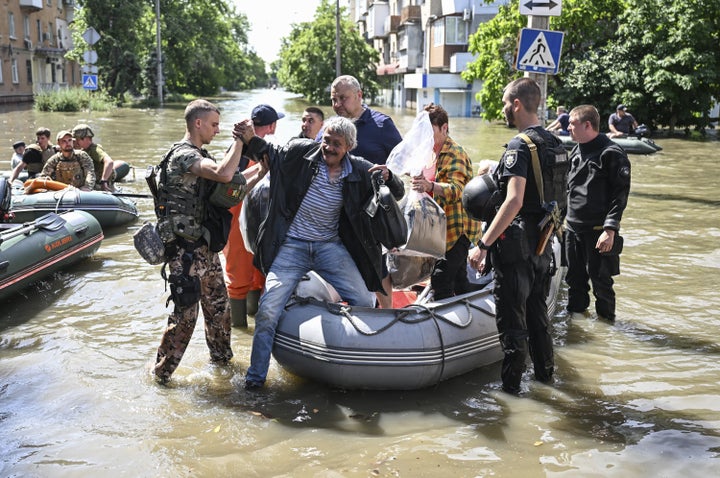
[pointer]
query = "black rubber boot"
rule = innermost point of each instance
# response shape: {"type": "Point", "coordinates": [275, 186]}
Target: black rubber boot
{"type": "Point", "coordinates": [238, 312]}
{"type": "Point", "coordinates": [253, 297]}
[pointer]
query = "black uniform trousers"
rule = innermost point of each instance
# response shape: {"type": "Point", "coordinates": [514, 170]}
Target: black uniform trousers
{"type": "Point", "coordinates": [449, 276]}
{"type": "Point", "coordinates": [585, 266]}
{"type": "Point", "coordinates": [521, 290]}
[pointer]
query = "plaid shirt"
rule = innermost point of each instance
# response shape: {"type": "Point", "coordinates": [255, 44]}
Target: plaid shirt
{"type": "Point", "coordinates": [454, 171]}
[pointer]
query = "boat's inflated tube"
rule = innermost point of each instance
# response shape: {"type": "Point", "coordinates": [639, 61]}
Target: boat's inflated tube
{"type": "Point", "coordinates": [40, 185]}
{"type": "Point", "coordinates": [5, 198]}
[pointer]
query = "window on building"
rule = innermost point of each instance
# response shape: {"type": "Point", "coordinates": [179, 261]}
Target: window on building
{"type": "Point", "coordinates": [1, 71]}
{"type": "Point", "coordinates": [26, 27]}
{"type": "Point", "coordinates": [11, 24]}
{"type": "Point", "coordinates": [39, 32]}
{"type": "Point", "coordinates": [456, 31]}
{"type": "Point", "coordinates": [14, 68]}
{"type": "Point", "coordinates": [28, 67]}
{"type": "Point", "coordinates": [438, 31]}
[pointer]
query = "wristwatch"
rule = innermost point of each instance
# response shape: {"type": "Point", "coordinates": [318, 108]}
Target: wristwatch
{"type": "Point", "coordinates": [103, 182]}
{"type": "Point", "coordinates": [482, 245]}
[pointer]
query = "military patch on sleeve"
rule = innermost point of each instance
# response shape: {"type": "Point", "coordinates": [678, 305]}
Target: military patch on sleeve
{"type": "Point", "coordinates": [510, 158]}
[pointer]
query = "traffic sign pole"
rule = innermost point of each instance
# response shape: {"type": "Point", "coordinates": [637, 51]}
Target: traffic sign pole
{"type": "Point", "coordinates": [540, 23]}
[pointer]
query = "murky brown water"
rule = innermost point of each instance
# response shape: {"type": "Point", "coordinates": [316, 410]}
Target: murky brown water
{"type": "Point", "coordinates": [638, 398]}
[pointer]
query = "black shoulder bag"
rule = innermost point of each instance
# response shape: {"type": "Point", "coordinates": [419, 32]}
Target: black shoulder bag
{"type": "Point", "coordinates": [387, 220]}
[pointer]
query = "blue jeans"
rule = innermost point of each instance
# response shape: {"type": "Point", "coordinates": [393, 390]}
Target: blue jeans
{"type": "Point", "coordinates": [295, 259]}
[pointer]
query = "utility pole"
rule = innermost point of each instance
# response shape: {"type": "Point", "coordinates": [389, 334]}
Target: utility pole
{"type": "Point", "coordinates": [337, 38]}
{"type": "Point", "coordinates": [540, 23]}
{"type": "Point", "coordinates": [159, 53]}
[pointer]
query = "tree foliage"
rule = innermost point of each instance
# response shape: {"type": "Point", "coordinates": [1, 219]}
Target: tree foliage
{"type": "Point", "coordinates": [307, 56]}
{"type": "Point", "coordinates": [204, 46]}
{"type": "Point", "coordinates": [659, 57]}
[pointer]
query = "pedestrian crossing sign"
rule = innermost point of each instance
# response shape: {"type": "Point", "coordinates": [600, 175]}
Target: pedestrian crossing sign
{"type": "Point", "coordinates": [90, 82]}
{"type": "Point", "coordinates": [539, 51]}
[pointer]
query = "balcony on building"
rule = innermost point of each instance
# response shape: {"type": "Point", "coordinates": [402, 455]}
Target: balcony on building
{"type": "Point", "coordinates": [32, 5]}
{"type": "Point", "coordinates": [391, 23]}
{"type": "Point", "coordinates": [410, 14]}
{"type": "Point", "coordinates": [377, 13]}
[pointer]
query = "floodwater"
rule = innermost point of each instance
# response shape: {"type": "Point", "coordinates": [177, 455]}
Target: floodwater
{"type": "Point", "coordinates": [634, 399]}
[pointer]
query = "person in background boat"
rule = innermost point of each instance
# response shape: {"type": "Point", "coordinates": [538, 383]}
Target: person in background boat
{"type": "Point", "coordinates": [70, 166]}
{"type": "Point", "coordinates": [560, 124]}
{"type": "Point", "coordinates": [621, 123]}
{"type": "Point", "coordinates": [598, 189]}
{"type": "Point", "coordinates": [18, 150]}
{"type": "Point", "coordinates": [312, 123]}
{"type": "Point", "coordinates": [376, 138]}
{"type": "Point", "coordinates": [102, 161]}
{"type": "Point", "coordinates": [34, 167]}
{"type": "Point", "coordinates": [522, 278]}
{"type": "Point", "coordinates": [195, 272]}
{"type": "Point", "coordinates": [244, 281]}
{"type": "Point", "coordinates": [316, 222]}
{"type": "Point", "coordinates": [452, 172]}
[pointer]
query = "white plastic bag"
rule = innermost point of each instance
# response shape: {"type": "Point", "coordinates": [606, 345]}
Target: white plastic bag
{"type": "Point", "coordinates": [427, 226]}
{"type": "Point", "coordinates": [415, 152]}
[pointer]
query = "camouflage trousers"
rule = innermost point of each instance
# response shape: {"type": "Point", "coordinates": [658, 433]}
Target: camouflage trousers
{"type": "Point", "coordinates": [206, 266]}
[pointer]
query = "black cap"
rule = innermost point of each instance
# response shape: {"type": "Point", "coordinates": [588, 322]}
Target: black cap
{"type": "Point", "coordinates": [263, 115]}
{"type": "Point", "coordinates": [621, 107]}
{"type": "Point", "coordinates": [17, 144]}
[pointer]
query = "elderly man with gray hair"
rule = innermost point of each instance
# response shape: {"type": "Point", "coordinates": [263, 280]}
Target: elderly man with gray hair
{"type": "Point", "coordinates": [316, 222]}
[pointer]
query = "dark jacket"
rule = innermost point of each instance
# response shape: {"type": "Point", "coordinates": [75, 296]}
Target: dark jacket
{"type": "Point", "coordinates": [292, 169]}
{"type": "Point", "coordinates": [598, 185]}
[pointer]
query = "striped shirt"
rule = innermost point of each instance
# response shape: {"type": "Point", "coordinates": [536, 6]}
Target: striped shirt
{"type": "Point", "coordinates": [318, 217]}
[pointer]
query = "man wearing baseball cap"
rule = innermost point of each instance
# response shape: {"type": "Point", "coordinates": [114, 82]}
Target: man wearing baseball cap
{"type": "Point", "coordinates": [245, 281]}
{"type": "Point", "coordinates": [102, 162]}
{"type": "Point", "coordinates": [621, 123]}
{"type": "Point", "coordinates": [70, 166]}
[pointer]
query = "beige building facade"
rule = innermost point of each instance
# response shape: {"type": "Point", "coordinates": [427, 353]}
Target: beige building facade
{"type": "Point", "coordinates": [34, 38]}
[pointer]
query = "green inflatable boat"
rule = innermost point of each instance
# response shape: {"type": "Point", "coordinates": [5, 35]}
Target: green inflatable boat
{"type": "Point", "coordinates": [110, 210]}
{"type": "Point", "coordinates": [33, 251]}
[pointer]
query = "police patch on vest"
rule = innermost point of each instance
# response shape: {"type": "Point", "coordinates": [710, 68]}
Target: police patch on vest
{"type": "Point", "coordinates": [510, 158]}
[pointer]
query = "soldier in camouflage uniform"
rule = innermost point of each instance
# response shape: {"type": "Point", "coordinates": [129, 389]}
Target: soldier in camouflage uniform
{"type": "Point", "coordinates": [195, 272]}
{"type": "Point", "coordinates": [102, 161]}
{"type": "Point", "coordinates": [70, 166]}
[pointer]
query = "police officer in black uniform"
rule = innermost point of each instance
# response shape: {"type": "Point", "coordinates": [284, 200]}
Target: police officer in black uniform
{"type": "Point", "coordinates": [598, 188]}
{"type": "Point", "coordinates": [522, 277]}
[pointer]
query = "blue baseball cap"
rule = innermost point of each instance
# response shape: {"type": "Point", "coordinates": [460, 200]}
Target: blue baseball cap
{"type": "Point", "coordinates": [263, 115]}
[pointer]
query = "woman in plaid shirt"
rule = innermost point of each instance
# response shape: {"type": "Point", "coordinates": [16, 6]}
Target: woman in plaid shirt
{"type": "Point", "coordinates": [453, 171]}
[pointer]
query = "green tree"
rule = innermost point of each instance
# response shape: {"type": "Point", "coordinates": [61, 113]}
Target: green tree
{"type": "Point", "coordinates": [307, 56]}
{"type": "Point", "coordinates": [660, 57]}
{"type": "Point", "coordinates": [672, 49]}
{"type": "Point", "coordinates": [204, 46]}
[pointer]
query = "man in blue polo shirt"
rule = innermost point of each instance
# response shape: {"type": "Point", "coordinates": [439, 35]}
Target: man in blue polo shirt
{"type": "Point", "coordinates": [376, 138]}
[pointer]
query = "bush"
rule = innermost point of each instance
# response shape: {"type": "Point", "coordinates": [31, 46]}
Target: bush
{"type": "Point", "coordinates": [73, 99]}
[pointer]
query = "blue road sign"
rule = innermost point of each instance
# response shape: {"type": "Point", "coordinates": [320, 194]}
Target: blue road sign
{"type": "Point", "coordinates": [539, 51]}
{"type": "Point", "coordinates": [90, 82]}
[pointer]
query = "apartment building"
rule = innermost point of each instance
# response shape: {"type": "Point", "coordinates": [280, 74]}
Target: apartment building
{"type": "Point", "coordinates": [34, 38]}
{"type": "Point", "coordinates": [423, 47]}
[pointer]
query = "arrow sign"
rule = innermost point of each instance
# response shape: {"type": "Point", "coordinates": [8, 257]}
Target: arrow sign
{"type": "Point", "coordinates": [90, 82]}
{"type": "Point", "coordinates": [539, 51]}
{"type": "Point", "coordinates": [541, 8]}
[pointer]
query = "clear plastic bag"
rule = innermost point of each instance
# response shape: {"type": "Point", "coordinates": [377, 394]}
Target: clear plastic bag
{"type": "Point", "coordinates": [415, 152]}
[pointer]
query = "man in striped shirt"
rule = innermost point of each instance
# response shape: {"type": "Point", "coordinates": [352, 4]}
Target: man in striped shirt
{"type": "Point", "coordinates": [316, 221]}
